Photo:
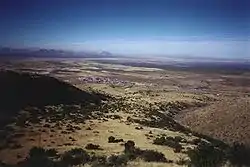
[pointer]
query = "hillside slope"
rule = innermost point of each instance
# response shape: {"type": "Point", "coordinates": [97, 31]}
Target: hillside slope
{"type": "Point", "coordinates": [227, 120]}
{"type": "Point", "coordinates": [19, 90]}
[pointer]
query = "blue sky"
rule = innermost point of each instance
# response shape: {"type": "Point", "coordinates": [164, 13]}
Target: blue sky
{"type": "Point", "coordinates": [218, 28]}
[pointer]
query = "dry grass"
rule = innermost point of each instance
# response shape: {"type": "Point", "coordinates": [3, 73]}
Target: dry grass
{"type": "Point", "coordinates": [227, 120]}
{"type": "Point", "coordinates": [116, 128]}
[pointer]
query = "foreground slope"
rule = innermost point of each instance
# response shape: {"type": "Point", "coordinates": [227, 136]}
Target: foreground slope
{"type": "Point", "coordinates": [45, 112]}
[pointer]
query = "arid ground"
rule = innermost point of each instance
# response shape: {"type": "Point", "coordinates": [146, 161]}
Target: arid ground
{"type": "Point", "coordinates": [141, 104]}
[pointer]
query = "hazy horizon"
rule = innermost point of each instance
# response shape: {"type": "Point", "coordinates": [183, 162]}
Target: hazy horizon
{"type": "Point", "coordinates": [216, 29]}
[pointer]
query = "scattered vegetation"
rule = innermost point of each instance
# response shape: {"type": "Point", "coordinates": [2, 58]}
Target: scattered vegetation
{"type": "Point", "coordinates": [157, 119]}
{"type": "Point", "coordinates": [75, 156]}
{"type": "Point", "coordinates": [170, 142]}
{"type": "Point", "coordinates": [91, 146]}
{"type": "Point", "coordinates": [112, 139]}
{"type": "Point", "coordinates": [117, 160]}
{"type": "Point", "coordinates": [152, 156]}
{"type": "Point", "coordinates": [147, 155]}
{"type": "Point", "coordinates": [182, 161]}
{"type": "Point", "coordinates": [206, 155]}
{"type": "Point", "coordinates": [39, 157]}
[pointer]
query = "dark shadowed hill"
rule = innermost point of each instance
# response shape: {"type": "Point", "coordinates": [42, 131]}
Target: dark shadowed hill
{"type": "Point", "coordinates": [19, 90]}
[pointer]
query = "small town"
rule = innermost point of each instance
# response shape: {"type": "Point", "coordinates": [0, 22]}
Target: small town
{"type": "Point", "coordinates": [104, 80]}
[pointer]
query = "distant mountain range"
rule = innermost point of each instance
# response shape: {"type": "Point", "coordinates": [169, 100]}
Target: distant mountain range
{"type": "Point", "coordinates": [53, 53]}
{"type": "Point", "coordinates": [162, 60]}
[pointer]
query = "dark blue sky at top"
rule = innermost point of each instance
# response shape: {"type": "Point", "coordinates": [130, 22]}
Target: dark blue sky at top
{"type": "Point", "coordinates": [120, 25]}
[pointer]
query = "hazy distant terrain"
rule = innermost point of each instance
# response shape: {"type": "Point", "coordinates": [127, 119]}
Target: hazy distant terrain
{"type": "Point", "coordinates": [176, 62]}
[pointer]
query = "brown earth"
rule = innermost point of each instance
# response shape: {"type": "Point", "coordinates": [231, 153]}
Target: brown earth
{"type": "Point", "coordinates": [227, 120]}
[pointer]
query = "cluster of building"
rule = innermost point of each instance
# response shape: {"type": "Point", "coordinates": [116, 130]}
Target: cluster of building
{"type": "Point", "coordinates": [104, 80]}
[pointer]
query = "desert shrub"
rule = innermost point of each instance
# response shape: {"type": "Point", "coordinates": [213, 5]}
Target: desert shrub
{"type": "Point", "coordinates": [178, 139]}
{"type": "Point", "coordinates": [129, 146]}
{"type": "Point", "coordinates": [115, 116]}
{"type": "Point", "coordinates": [195, 141]}
{"type": "Point", "coordinates": [182, 161]}
{"type": "Point", "coordinates": [215, 142]}
{"type": "Point", "coordinates": [38, 162]}
{"type": "Point", "coordinates": [170, 142]}
{"type": "Point", "coordinates": [37, 157]}
{"type": "Point", "coordinates": [46, 125]}
{"type": "Point", "coordinates": [111, 161]}
{"type": "Point", "coordinates": [40, 157]}
{"type": "Point", "coordinates": [111, 139]}
{"type": "Point", "coordinates": [129, 119]}
{"type": "Point", "coordinates": [119, 140]}
{"type": "Point", "coordinates": [139, 128]}
{"type": "Point", "coordinates": [97, 161]}
{"type": "Point", "coordinates": [91, 146]}
{"type": "Point", "coordinates": [75, 156]}
{"type": "Point", "coordinates": [239, 155]}
{"type": "Point", "coordinates": [177, 148]}
{"type": "Point", "coordinates": [117, 160]}
{"type": "Point", "coordinates": [89, 128]}
{"type": "Point", "coordinates": [153, 156]}
{"type": "Point", "coordinates": [206, 155]}
{"type": "Point", "coordinates": [37, 151]}
{"type": "Point", "coordinates": [133, 152]}
{"type": "Point", "coordinates": [51, 153]}
{"type": "Point", "coordinates": [112, 85]}
{"type": "Point", "coordinates": [159, 141]}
